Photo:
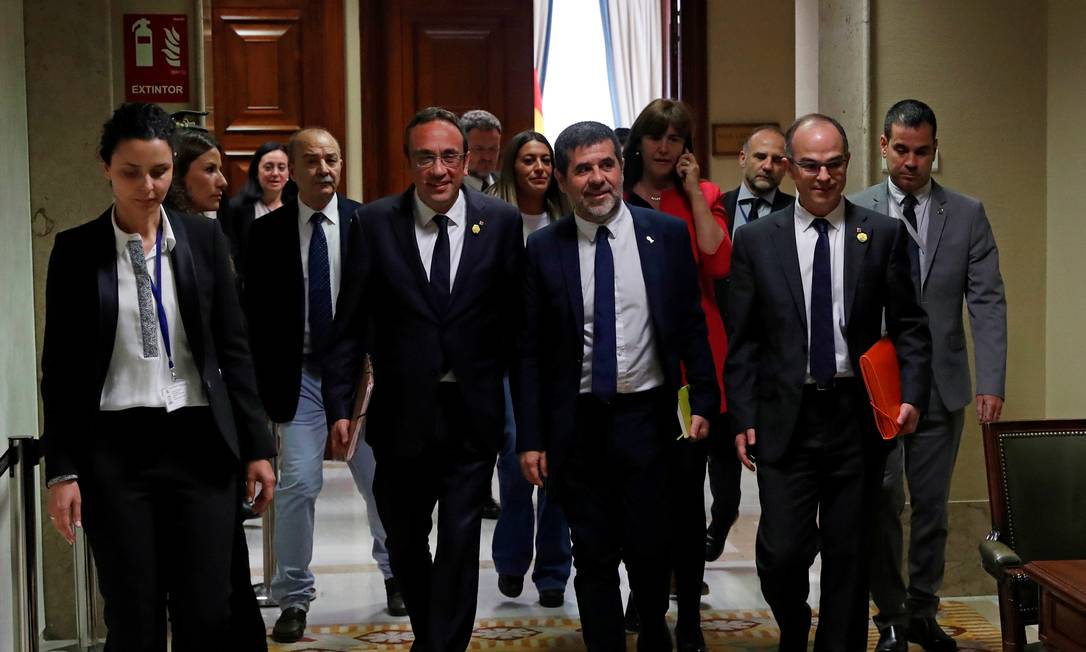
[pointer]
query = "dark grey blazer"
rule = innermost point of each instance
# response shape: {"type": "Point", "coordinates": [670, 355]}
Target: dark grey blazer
{"type": "Point", "coordinates": [962, 261]}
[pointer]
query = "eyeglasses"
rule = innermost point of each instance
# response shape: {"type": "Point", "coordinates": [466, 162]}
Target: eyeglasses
{"type": "Point", "coordinates": [449, 160]}
{"type": "Point", "coordinates": [814, 167]}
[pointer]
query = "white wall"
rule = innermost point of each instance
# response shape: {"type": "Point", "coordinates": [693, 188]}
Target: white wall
{"type": "Point", "coordinates": [18, 393]}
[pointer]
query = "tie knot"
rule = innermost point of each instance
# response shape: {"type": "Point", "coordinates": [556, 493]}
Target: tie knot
{"type": "Point", "coordinates": [909, 202]}
{"type": "Point", "coordinates": [316, 219]}
{"type": "Point", "coordinates": [602, 232]}
{"type": "Point", "coordinates": [441, 220]}
{"type": "Point", "coordinates": [822, 224]}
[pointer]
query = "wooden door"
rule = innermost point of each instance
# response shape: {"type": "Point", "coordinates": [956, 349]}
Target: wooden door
{"type": "Point", "coordinates": [459, 54]}
{"type": "Point", "coordinates": [278, 67]}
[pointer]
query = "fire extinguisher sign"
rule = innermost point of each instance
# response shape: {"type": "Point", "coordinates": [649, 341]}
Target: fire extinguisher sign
{"type": "Point", "coordinates": [156, 57]}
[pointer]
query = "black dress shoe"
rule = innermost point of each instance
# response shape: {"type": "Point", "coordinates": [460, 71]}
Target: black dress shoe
{"type": "Point", "coordinates": [394, 598]}
{"type": "Point", "coordinates": [927, 633]}
{"type": "Point", "coordinates": [693, 641]}
{"type": "Point", "coordinates": [491, 509]}
{"type": "Point", "coordinates": [552, 598]}
{"type": "Point", "coordinates": [631, 620]}
{"type": "Point", "coordinates": [510, 585]}
{"type": "Point", "coordinates": [714, 544]}
{"type": "Point", "coordinates": [290, 627]}
{"type": "Point", "coordinates": [892, 639]}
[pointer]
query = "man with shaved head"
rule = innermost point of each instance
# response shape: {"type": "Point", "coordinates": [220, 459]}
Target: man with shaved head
{"type": "Point", "coordinates": [811, 285]}
{"type": "Point", "coordinates": [296, 265]}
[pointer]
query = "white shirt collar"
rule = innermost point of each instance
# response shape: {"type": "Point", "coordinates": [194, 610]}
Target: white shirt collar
{"type": "Point", "coordinates": [745, 193]}
{"type": "Point", "coordinates": [456, 214]}
{"type": "Point", "coordinates": [898, 195]}
{"type": "Point", "coordinates": [330, 210]}
{"type": "Point", "coordinates": [121, 238]}
{"type": "Point", "coordinates": [588, 229]}
{"type": "Point", "coordinates": [836, 217]}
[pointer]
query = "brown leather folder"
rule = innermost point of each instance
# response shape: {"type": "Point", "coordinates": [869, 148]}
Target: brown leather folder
{"type": "Point", "coordinates": [882, 376]}
{"type": "Point", "coordinates": [334, 450]}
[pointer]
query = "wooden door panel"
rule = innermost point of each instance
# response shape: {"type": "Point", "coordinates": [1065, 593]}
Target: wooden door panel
{"type": "Point", "coordinates": [279, 67]}
{"type": "Point", "coordinates": [461, 55]}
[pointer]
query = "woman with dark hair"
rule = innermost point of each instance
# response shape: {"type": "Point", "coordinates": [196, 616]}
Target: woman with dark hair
{"type": "Point", "coordinates": [661, 172]}
{"type": "Point", "coordinates": [527, 182]}
{"type": "Point", "coordinates": [267, 187]}
{"type": "Point", "coordinates": [198, 182]}
{"type": "Point", "coordinates": [152, 418]}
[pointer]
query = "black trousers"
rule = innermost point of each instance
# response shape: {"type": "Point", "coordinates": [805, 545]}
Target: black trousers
{"type": "Point", "coordinates": [159, 508]}
{"type": "Point", "coordinates": [821, 494]}
{"type": "Point", "coordinates": [614, 487]}
{"type": "Point", "coordinates": [725, 474]}
{"type": "Point", "coordinates": [453, 472]}
{"type": "Point", "coordinates": [688, 546]}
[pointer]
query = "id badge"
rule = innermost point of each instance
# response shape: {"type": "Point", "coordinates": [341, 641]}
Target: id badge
{"type": "Point", "coordinates": [176, 395]}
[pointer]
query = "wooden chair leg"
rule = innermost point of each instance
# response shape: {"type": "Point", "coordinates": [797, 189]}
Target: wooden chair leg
{"type": "Point", "coordinates": [1010, 621]}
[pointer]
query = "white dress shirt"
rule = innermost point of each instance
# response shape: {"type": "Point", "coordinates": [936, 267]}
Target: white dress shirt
{"type": "Point", "coordinates": [260, 209]}
{"type": "Point", "coordinates": [741, 216]}
{"type": "Point", "coordinates": [426, 238]}
{"type": "Point", "coordinates": [923, 204]}
{"type": "Point", "coordinates": [639, 367]}
{"type": "Point", "coordinates": [806, 239]}
{"type": "Point", "coordinates": [475, 183]}
{"type": "Point", "coordinates": [330, 226]}
{"type": "Point", "coordinates": [134, 380]}
{"type": "Point", "coordinates": [533, 223]}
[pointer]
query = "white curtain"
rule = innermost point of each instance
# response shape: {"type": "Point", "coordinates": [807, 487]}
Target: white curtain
{"type": "Point", "coordinates": [636, 55]}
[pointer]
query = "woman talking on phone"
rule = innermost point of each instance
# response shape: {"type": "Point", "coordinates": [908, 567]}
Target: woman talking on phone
{"type": "Point", "coordinates": [661, 172]}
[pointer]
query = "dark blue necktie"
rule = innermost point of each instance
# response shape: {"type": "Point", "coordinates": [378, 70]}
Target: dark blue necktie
{"type": "Point", "coordinates": [439, 264]}
{"type": "Point", "coordinates": [752, 209]}
{"type": "Point", "coordinates": [320, 287]}
{"type": "Point", "coordinates": [823, 358]}
{"type": "Point", "coordinates": [908, 208]}
{"type": "Point", "coordinates": [604, 355]}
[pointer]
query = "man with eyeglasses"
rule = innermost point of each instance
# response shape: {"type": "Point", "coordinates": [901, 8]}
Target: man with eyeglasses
{"type": "Point", "coordinates": [810, 286]}
{"type": "Point", "coordinates": [433, 295]}
{"type": "Point", "coordinates": [484, 132]}
{"type": "Point", "coordinates": [763, 164]}
{"type": "Point", "coordinates": [955, 256]}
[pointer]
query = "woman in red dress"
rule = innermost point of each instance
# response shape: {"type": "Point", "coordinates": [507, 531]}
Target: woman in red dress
{"type": "Point", "coordinates": [661, 172]}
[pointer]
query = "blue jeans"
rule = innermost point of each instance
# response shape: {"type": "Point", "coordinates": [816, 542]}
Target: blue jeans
{"type": "Point", "coordinates": [512, 545]}
{"type": "Point", "coordinates": [301, 456]}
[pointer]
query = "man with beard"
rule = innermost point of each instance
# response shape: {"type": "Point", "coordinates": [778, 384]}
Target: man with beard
{"type": "Point", "coordinates": [612, 319]}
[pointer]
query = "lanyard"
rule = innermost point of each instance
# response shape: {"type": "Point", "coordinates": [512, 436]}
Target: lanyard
{"type": "Point", "coordinates": [156, 291]}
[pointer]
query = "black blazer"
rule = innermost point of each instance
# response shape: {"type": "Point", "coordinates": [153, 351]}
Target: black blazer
{"type": "Point", "coordinates": [781, 201]}
{"type": "Point", "coordinates": [387, 295]}
{"type": "Point", "coordinates": [553, 332]}
{"type": "Point", "coordinates": [767, 334]}
{"type": "Point", "coordinates": [275, 302]}
{"type": "Point", "coordinates": [81, 322]}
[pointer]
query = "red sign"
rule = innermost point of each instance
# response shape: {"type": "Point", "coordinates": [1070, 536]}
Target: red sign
{"type": "Point", "coordinates": [156, 58]}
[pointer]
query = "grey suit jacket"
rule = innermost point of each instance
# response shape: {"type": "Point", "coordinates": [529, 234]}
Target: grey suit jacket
{"type": "Point", "coordinates": [962, 261]}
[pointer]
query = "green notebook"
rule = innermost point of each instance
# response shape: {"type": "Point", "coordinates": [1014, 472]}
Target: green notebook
{"type": "Point", "coordinates": [683, 412]}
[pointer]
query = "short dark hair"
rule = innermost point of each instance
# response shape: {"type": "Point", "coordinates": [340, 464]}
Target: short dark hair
{"type": "Point", "coordinates": [135, 121]}
{"type": "Point", "coordinates": [806, 119]}
{"type": "Point", "coordinates": [432, 114]}
{"type": "Point", "coordinates": [188, 145]}
{"type": "Point", "coordinates": [581, 134]}
{"type": "Point", "coordinates": [654, 121]}
{"type": "Point", "coordinates": [909, 113]}
{"type": "Point", "coordinates": [772, 128]}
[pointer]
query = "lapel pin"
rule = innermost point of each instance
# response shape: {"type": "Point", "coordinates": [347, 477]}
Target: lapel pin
{"type": "Point", "coordinates": [861, 237]}
{"type": "Point", "coordinates": [649, 238]}
{"type": "Point", "coordinates": [476, 228]}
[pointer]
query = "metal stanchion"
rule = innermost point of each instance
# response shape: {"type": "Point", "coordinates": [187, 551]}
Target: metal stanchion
{"type": "Point", "coordinates": [85, 595]}
{"type": "Point", "coordinates": [24, 543]}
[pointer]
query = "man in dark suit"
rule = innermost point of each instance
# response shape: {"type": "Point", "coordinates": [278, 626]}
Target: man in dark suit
{"type": "Point", "coordinates": [433, 294]}
{"type": "Point", "coordinates": [763, 164]}
{"type": "Point", "coordinates": [811, 286]}
{"type": "Point", "coordinates": [297, 256]}
{"type": "Point", "coordinates": [612, 320]}
{"type": "Point", "coordinates": [953, 245]}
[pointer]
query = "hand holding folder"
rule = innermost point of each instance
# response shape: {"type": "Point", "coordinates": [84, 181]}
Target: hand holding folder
{"type": "Point", "coordinates": [882, 377]}
{"type": "Point", "coordinates": [337, 450]}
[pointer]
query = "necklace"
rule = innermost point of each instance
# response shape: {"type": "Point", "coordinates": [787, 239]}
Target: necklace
{"type": "Point", "coordinates": [654, 196]}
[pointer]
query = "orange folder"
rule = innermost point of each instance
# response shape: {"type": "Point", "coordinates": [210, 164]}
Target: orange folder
{"type": "Point", "coordinates": [882, 376]}
{"type": "Point", "coordinates": [336, 451]}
